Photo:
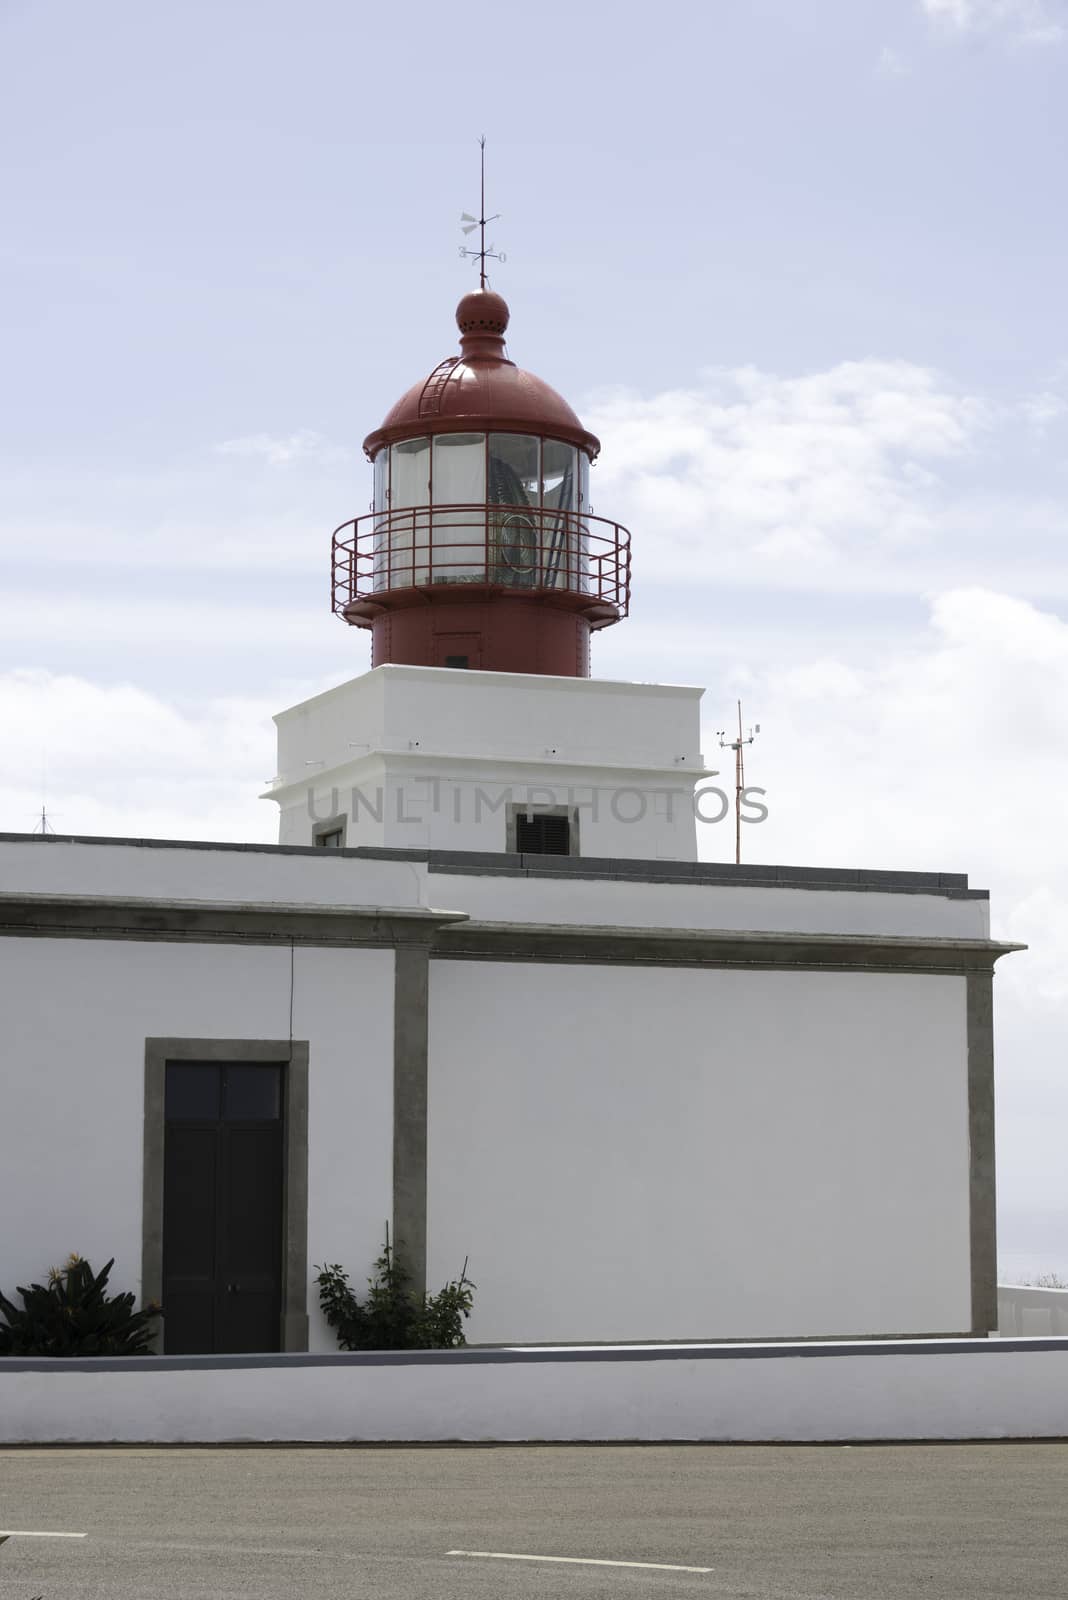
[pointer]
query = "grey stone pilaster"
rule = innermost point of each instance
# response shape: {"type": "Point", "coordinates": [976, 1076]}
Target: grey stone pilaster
{"type": "Point", "coordinates": [410, 1040]}
{"type": "Point", "coordinates": [981, 1177]}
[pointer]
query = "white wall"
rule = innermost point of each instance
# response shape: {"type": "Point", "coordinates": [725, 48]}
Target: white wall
{"type": "Point", "coordinates": [600, 902]}
{"type": "Point", "coordinates": [215, 875]}
{"type": "Point", "coordinates": [626, 754]}
{"type": "Point", "coordinates": [492, 715]}
{"type": "Point", "coordinates": [76, 1015]}
{"type": "Point", "coordinates": [428, 802]}
{"type": "Point", "coordinates": [659, 1154]}
{"type": "Point", "coordinates": [989, 1391]}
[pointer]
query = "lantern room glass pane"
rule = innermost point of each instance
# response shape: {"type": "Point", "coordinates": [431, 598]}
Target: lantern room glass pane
{"type": "Point", "coordinates": [381, 526]}
{"type": "Point", "coordinates": [460, 469]}
{"type": "Point", "coordinates": [584, 481]}
{"type": "Point", "coordinates": [559, 528]}
{"type": "Point", "coordinates": [582, 578]}
{"type": "Point", "coordinates": [514, 469]}
{"type": "Point", "coordinates": [400, 552]}
{"type": "Point", "coordinates": [558, 476]}
{"type": "Point", "coordinates": [459, 536]}
{"type": "Point", "coordinates": [410, 475]}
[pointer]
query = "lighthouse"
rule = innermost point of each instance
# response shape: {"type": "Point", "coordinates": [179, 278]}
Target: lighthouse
{"type": "Point", "coordinates": [482, 550]}
{"type": "Point", "coordinates": [483, 986]}
{"type": "Point", "coordinates": [481, 571]}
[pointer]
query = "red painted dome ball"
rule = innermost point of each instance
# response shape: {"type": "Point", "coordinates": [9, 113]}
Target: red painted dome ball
{"type": "Point", "coordinates": [482, 311]}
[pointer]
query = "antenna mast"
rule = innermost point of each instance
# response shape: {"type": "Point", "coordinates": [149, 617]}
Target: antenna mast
{"type": "Point", "coordinates": [469, 223]}
{"type": "Point", "coordinates": [738, 746]}
{"type": "Point", "coordinates": [43, 825]}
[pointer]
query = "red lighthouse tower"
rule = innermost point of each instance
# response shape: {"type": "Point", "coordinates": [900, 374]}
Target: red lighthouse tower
{"type": "Point", "coordinates": [481, 550]}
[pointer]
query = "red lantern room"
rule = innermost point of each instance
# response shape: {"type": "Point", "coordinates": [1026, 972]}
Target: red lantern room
{"type": "Point", "coordinates": [481, 550]}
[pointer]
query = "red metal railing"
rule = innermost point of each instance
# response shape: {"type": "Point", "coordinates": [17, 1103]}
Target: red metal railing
{"type": "Point", "coordinates": [512, 547]}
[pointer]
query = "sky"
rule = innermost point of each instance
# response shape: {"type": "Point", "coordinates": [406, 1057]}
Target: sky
{"type": "Point", "coordinates": [800, 265]}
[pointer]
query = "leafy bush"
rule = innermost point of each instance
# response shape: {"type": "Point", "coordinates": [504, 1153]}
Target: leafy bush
{"type": "Point", "coordinates": [73, 1315]}
{"type": "Point", "coordinates": [394, 1316]}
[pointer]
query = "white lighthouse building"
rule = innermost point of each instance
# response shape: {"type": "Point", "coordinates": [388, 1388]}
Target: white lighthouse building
{"type": "Point", "coordinates": [484, 990]}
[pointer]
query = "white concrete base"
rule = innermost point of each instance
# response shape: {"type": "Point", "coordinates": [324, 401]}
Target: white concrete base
{"type": "Point", "coordinates": [417, 757]}
{"type": "Point", "coordinates": [962, 1389]}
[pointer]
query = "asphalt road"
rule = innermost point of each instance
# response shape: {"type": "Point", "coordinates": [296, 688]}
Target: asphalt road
{"type": "Point", "coordinates": [773, 1522]}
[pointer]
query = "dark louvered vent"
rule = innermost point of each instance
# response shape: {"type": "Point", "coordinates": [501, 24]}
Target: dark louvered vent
{"type": "Point", "coordinates": [539, 834]}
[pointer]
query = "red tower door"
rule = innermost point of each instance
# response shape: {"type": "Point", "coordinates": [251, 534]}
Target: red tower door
{"type": "Point", "coordinates": [458, 650]}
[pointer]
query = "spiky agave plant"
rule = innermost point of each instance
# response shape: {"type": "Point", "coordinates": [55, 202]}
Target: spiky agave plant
{"type": "Point", "coordinates": [73, 1315]}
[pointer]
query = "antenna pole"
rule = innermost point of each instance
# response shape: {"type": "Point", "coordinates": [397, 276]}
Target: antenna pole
{"type": "Point", "coordinates": [738, 746]}
{"type": "Point", "coordinates": [43, 826]}
{"type": "Point", "coordinates": [739, 785]}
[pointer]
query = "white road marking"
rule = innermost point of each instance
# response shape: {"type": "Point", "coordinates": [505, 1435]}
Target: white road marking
{"type": "Point", "coordinates": [28, 1533]}
{"type": "Point", "coordinates": [575, 1561]}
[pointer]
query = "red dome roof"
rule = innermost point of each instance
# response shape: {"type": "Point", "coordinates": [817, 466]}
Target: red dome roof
{"type": "Point", "coordinates": [481, 390]}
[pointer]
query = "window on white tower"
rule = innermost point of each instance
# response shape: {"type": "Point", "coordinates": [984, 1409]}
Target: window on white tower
{"type": "Point", "coordinates": [542, 830]}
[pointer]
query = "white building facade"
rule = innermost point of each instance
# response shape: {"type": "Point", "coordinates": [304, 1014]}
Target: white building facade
{"type": "Point", "coordinates": [646, 1100]}
{"type": "Point", "coordinates": [483, 990]}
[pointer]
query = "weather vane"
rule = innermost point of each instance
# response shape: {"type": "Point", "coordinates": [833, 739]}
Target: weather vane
{"type": "Point", "coordinates": [469, 223]}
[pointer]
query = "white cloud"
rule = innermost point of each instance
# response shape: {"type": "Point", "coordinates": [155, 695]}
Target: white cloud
{"type": "Point", "coordinates": [286, 450]}
{"type": "Point", "coordinates": [951, 751]}
{"type": "Point", "coordinates": [891, 64]}
{"type": "Point", "coordinates": [1030, 21]}
{"type": "Point", "coordinates": [789, 478]}
{"type": "Point", "coordinates": [1043, 409]}
{"type": "Point", "coordinates": [206, 512]}
{"type": "Point", "coordinates": [872, 476]}
{"type": "Point", "coordinates": [27, 617]}
{"type": "Point", "coordinates": [112, 759]}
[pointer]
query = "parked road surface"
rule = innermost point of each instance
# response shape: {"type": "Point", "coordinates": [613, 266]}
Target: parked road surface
{"type": "Point", "coordinates": [771, 1522]}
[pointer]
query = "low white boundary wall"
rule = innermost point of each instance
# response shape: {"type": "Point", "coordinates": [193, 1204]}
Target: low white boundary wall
{"type": "Point", "coordinates": [1029, 1310]}
{"type": "Point", "coordinates": [953, 1389]}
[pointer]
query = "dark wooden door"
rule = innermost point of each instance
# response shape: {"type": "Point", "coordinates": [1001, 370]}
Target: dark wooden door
{"type": "Point", "coordinates": [222, 1207]}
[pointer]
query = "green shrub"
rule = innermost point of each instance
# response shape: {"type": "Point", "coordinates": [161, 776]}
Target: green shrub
{"type": "Point", "coordinates": [394, 1316]}
{"type": "Point", "coordinates": [73, 1315]}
